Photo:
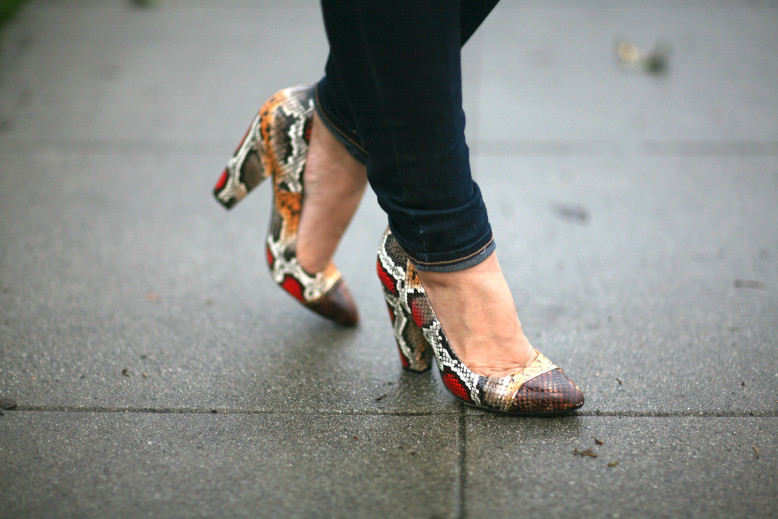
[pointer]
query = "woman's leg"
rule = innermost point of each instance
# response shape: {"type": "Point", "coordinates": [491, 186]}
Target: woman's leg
{"type": "Point", "coordinates": [398, 64]}
{"type": "Point", "coordinates": [335, 178]}
{"type": "Point", "coordinates": [399, 67]}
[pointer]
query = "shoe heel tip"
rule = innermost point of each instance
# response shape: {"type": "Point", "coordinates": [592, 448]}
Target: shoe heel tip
{"type": "Point", "coordinates": [417, 369]}
{"type": "Point", "coordinates": [227, 204]}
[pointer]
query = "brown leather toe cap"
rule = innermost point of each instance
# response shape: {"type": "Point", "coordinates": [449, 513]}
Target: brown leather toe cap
{"type": "Point", "coordinates": [549, 392]}
{"type": "Point", "coordinates": [337, 305]}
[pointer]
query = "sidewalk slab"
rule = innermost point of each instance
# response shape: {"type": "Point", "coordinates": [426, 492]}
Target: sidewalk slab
{"type": "Point", "coordinates": [664, 467]}
{"type": "Point", "coordinates": [212, 465]}
{"type": "Point", "coordinates": [166, 283]}
{"type": "Point", "coordinates": [556, 76]}
{"type": "Point", "coordinates": [181, 74]}
{"type": "Point", "coordinates": [651, 280]}
{"type": "Point", "coordinates": [129, 263]}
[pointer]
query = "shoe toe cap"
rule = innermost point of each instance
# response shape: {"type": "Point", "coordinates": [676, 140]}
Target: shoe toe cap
{"type": "Point", "coordinates": [337, 305]}
{"type": "Point", "coordinates": [549, 392]}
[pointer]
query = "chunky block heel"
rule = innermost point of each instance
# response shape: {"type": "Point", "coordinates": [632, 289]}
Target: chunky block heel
{"type": "Point", "coordinates": [415, 352]}
{"type": "Point", "coordinates": [244, 170]}
{"type": "Point", "coordinates": [540, 388]}
{"type": "Point", "coordinates": [276, 145]}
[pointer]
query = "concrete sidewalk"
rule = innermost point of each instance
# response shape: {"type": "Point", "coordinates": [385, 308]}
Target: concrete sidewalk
{"type": "Point", "coordinates": [160, 373]}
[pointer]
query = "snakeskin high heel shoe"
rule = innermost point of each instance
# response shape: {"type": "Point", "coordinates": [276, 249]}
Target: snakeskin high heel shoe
{"type": "Point", "coordinates": [540, 388]}
{"type": "Point", "coordinates": [276, 145]}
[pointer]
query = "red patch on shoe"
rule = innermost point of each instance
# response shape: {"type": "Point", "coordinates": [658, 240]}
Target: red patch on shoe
{"type": "Point", "coordinates": [456, 386]}
{"type": "Point", "coordinates": [270, 259]}
{"type": "Point", "coordinates": [386, 279]}
{"type": "Point", "coordinates": [417, 313]}
{"type": "Point", "coordinates": [222, 181]}
{"type": "Point", "coordinates": [294, 287]}
{"type": "Point", "coordinates": [307, 130]}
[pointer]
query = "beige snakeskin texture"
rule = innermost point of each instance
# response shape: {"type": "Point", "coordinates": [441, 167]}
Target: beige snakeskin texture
{"type": "Point", "coordinates": [541, 388]}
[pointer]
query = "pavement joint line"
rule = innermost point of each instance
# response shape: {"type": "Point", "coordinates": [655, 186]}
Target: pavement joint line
{"type": "Point", "coordinates": [706, 148]}
{"type": "Point", "coordinates": [460, 498]}
{"type": "Point", "coordinates": [212, 410]}
{"type": "Point", "coordinates": [103, 147]}
{"type": "Point", "coordinates": [480, 147]}
{"type": "Point", "coordinates": [462, 414]}
{"type": "Point", "coordinates": [178, 6]}
{"type": "Point", "coordinates": [673, 414]}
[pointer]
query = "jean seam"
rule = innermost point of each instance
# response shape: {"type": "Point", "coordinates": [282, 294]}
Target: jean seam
{"type": "Point", "coordinates": [320, 110]}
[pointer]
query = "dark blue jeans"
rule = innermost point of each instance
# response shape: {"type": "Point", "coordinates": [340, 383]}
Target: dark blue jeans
{"type": "Point", "coordinates": [392, 94]}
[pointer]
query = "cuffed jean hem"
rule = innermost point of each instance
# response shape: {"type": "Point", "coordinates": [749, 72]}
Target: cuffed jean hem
{"type": "Point", "coordinates": [464, 262]}
{"type": "Point", "coordinates": [338, 128]}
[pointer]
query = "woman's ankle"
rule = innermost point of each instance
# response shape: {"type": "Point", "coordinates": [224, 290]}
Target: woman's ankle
{"type": "Point", "coordinates": [334, 183]}
{"type": "Point", "coordinates": [478, 315]}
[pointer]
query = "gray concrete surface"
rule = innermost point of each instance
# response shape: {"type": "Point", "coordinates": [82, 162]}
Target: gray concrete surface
{"type": "Point", "coordinates": [636, 218]}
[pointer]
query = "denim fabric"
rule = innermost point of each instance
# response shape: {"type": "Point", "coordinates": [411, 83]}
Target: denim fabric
{"type": "Point", "coordinates": [393, 95]}
{"type": "Point", "coordinates": [340, 125]}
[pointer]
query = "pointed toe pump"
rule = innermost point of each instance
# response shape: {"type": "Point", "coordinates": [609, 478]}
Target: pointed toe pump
{"type": "Point", "coordinates": [540, 388]}
{"type": "Point", "coordinates": [276, 146]}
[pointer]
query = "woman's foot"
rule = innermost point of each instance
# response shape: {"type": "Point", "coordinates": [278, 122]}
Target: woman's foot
{"type": "Point", "coordinates": [334, 183]}
{"type": "Point", "coordinates": [476, 310]}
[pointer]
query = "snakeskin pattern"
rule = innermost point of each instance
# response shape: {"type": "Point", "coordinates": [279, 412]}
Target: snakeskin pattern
{"type": "Point", "coordinates": [540, 388]}
{"type": "Point", "coordinates": [276, 145]}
